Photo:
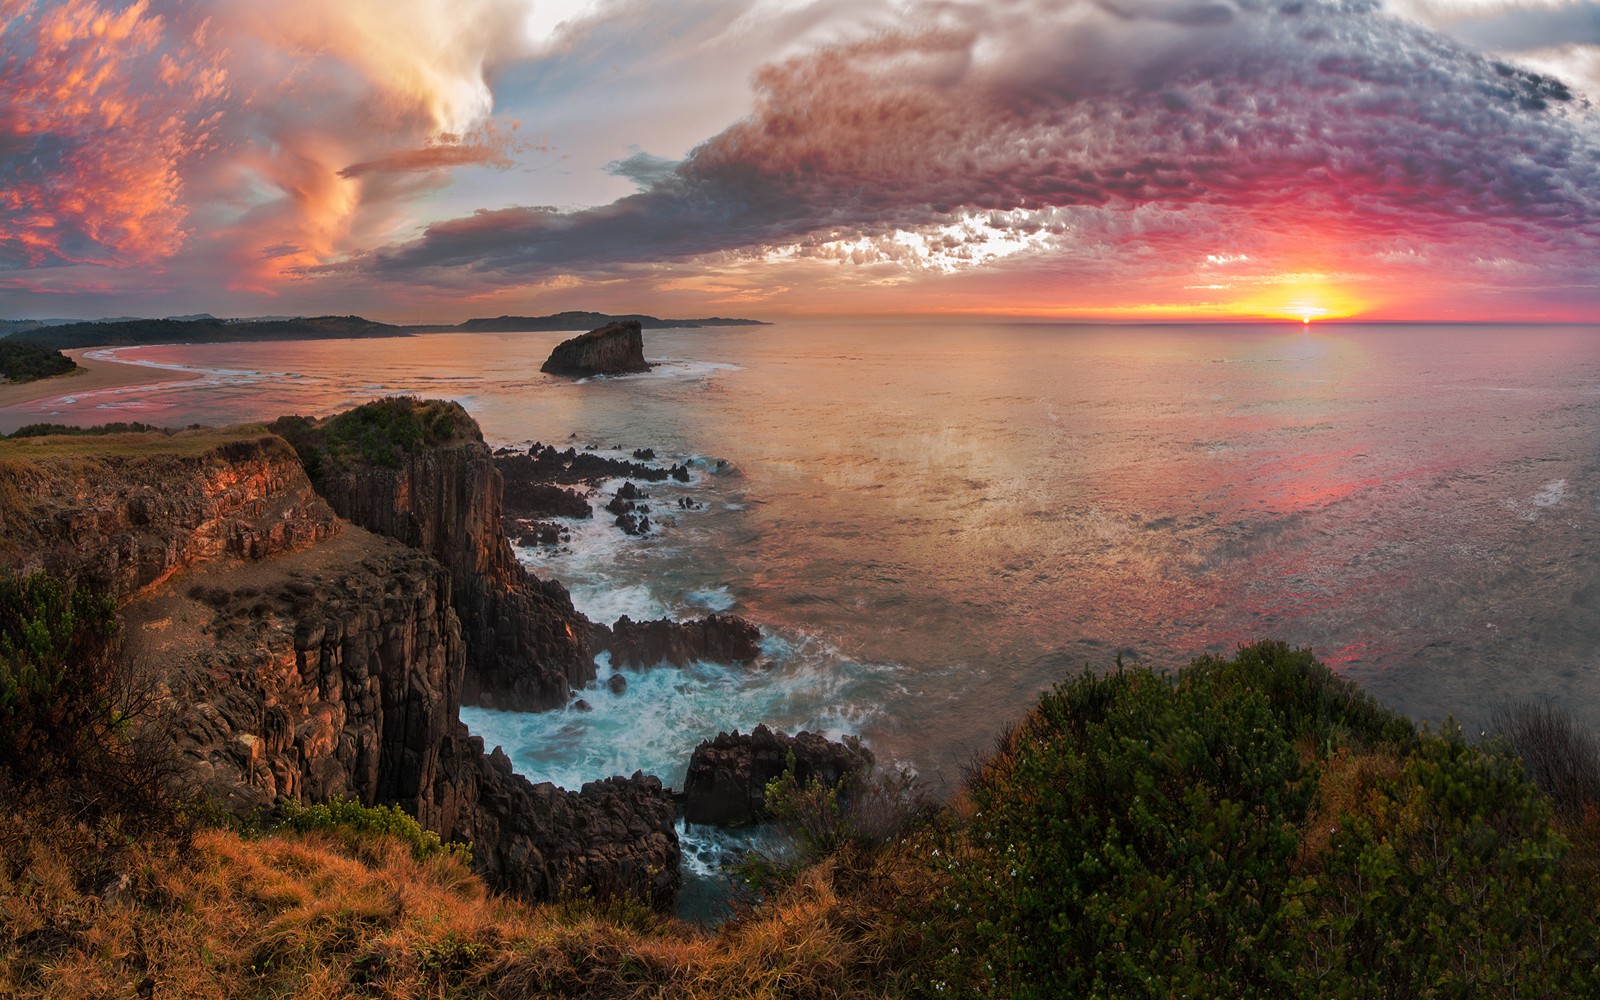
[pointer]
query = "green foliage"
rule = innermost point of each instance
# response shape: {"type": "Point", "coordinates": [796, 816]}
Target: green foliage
{"type": "Point", "coordinates": [382, 433]}
{"type": "Point", "coordinates": [862, 812]}
{"type": "Point", "coordinates": [350, 816]}
{"type": "Point", "coordinates": [1447, 883]}
{"type": "Point", "coordinates": [1134, 839]}
{"type": "Point", "coordinates": [1309, 699]}
{"type": "Point", "coordinates": [56, 652]}
{"type": "Point", "coordinates": [24, 361]}
{"type": "Point", "coordinates": [53, 430]}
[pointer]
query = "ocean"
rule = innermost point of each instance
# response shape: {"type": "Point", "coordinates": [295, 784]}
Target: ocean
{"type": "Point", "coordinates": [933, 522]}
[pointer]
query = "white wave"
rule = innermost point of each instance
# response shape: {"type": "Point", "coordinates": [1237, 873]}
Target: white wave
{"type": "Point", "coordinates": [1552, 494]}
{"type": "Point", "coordinates": [713, 599]}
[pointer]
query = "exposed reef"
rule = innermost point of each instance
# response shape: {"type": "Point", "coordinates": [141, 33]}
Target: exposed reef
{"type": "Point", "coordinates": [613, 349]}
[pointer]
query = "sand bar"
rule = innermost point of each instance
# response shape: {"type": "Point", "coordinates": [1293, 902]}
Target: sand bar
{"type": "Point", "coordinates": [92, 374]}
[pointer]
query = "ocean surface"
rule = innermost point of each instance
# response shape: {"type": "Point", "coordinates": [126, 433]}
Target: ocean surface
{"type": "Point", "coordinates": [934, 522]}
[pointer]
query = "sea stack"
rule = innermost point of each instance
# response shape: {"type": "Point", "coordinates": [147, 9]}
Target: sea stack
{"type": "Point", "coordinates": [614, 349]}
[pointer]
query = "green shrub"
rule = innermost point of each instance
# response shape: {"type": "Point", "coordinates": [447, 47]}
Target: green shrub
{"type": "Point", "coordinates": [350, 816]}
{"type": "Point", "coordinates": [1133, 838]}
{"type": "Point", "coordinates": [862, 812]}
{"type": "Point", "coordinates": [57, 656]}
{"type": "Point", "coordinates": [1448, 884]}
{"type": "Point", "coordinates": [1309, 699]}
{"type": "Point", "coordinates": [383, 433]}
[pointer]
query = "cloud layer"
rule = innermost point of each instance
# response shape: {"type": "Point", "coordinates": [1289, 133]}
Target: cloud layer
{"type": "Point", "coordinates": [1182, 154]}
{"type": "Point", "coordinates": [1055, 120]}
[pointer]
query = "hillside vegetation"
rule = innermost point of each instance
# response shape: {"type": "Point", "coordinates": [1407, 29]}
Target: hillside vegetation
{"type": "Point", "coordinates": [1248, 827]}
{"type": "Point", "coordinates": [24, 361]}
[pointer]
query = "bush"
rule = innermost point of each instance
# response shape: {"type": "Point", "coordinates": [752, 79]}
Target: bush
{"type": "Point", "coordinates": [1309, 700]}
{"type": "Point", "coordinates": [382, 433]}
{"type": "Point", "coordinates": [1133, 838]}
{"type": "Point", "coordinates": [57, 652]}
{"type": "Point", "coordinates": [863, 812]}
{"type": "Point", "coordinates": [350, 816]}
{"type": "Point", "coordinates": [78, 721]}
{"type": "Point", "coordinates": [1446, 883]}
{"type": "Point", "coordinates": [1557, 752]}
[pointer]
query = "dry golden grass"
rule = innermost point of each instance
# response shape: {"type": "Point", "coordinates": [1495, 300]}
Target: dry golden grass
{"type": "Point", "coordinates": [85, 913]}
{"type": "Point", "coordinates": [1346, 779]}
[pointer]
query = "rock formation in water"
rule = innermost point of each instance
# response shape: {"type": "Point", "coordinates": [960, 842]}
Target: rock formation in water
{"type": "Point", "coordinates": [307, 657]}
{"type": "Point", "coordinates": [613, 349]}
{"type": "Point", "coordinates": [728, 776]}
{"type": "Point", "coordinates": [715, 639]}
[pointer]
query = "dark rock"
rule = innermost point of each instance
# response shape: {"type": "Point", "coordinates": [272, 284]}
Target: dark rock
{"type": "Point", "coordinates": [680, 473]}
{"type": "Point", "coordinates": [728, 776]}
{"type": "Point", "coordinates": [617, 683]}
{"type": "Point", "coordinates": [645, 454]}
{"type": "Point", "coordinates": [713, 639]}
{"type": "Point", "coordinates": [613, 349]}
{"type": "Point", "coordinates": [629, 491]}
{"type": "Point", "coordinates": [582, 706]}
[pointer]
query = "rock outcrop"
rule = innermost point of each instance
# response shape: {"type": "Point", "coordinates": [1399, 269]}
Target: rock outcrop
{"type": "Point", "coordinates": [527, 647]}
{"type": "Point", "coordinates": [728, 776]}
{"type": "Point", "coordinates": [122, 522]}
{"type": "Point", "coordinates": [613, 349]}
{"type": "Point", "coordinates": [714, 639]}
{"type": "Point", "coordinates": [328, 669]}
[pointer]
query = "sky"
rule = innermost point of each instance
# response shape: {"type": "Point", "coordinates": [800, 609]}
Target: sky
{"type": "Point", "coordinates": [433, 160]}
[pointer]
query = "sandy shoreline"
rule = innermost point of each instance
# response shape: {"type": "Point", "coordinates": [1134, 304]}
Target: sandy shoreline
{"type": "Point", "coordinates": [93, 375]}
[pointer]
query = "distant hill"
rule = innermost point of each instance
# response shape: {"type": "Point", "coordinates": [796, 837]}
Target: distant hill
{"type": "Point", "coordinates": [207, 329]}
{"type": "Point", "coordinates": [129, 333]}
{"type": "Point", "coordinates": [577, 320]}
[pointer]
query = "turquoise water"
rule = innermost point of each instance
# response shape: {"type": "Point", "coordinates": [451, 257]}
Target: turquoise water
{"type": "Point", "coordinates": [934, 522]}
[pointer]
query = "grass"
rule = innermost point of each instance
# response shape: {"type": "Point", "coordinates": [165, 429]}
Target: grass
{"type": "Point", "coordinates": [1383, 835]}
{"type": "Point", "coordinates": [325, 914]}
{"type": "Point", "coordinates": [90, 447]}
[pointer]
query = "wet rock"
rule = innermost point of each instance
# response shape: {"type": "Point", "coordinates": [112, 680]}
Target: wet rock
{"type": "Point", "coordinates": [617, 683]}
{"type": "Point", "coordinates": [715, 638]}
{"type": "Point", "coordinates": [728, 776]}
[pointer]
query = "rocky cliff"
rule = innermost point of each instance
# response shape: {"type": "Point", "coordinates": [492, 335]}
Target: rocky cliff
{"type": "Point", "coordinates": [309, 658]}
{"type": "Point", "coordinates": [121, 518]}
{"type": "Point", "coordinates": [613, 349]}
{"type": "Point", "coordinates": [527, 647]}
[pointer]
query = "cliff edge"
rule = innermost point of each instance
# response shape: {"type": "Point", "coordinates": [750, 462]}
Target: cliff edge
{"type": "Point", "coordinates": [302, 656]}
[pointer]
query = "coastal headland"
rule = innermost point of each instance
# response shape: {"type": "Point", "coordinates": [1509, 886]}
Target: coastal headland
{"type": "Point", "coordinates": [309, 604]}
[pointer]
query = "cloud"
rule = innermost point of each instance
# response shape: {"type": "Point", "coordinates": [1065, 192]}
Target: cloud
{"type": "Point", "coordinates": [236, 139]}
{"type": "Point", "coordinates": [100, 107]}
{"type": "Point", "coordinates": [1053, 122]}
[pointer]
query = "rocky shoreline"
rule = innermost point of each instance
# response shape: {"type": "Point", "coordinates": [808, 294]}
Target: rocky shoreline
{"type": "Point", "coordinates": [318, 610]}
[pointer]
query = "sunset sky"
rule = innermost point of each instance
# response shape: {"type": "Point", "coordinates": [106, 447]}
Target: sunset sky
{"type": "Point", "coordinates": [433, 160]}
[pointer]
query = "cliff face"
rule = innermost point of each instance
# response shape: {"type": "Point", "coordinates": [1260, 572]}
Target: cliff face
{"type": "Point", "coordinates": [336, 668]}
{"type": "Point", "coordinates": [527, 647]}
{"type": "Point", "coordinates": [123, 522]}
{"type": "Point", "coordinates": [613, 349]}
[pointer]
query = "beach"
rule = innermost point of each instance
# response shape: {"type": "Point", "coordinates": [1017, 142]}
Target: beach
{"type": "Point", "coordinates": [91, 376]}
